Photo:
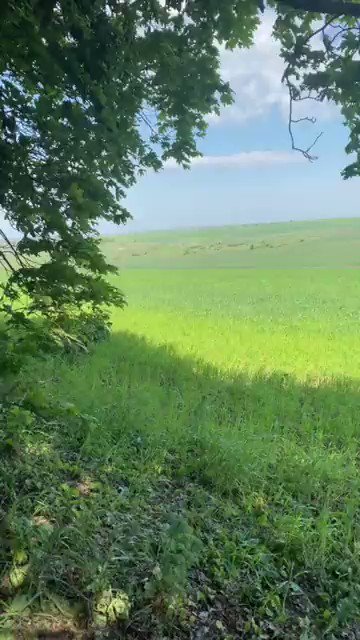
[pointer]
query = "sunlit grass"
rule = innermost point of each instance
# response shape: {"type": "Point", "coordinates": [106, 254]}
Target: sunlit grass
{"type": "Point", "coordinates": [306, 323]}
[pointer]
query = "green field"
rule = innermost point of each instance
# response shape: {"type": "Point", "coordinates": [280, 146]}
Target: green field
{"type": "Point", "coordinates": [206, 464]}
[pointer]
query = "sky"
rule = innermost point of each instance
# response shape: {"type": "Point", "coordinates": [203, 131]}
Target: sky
{"type": "Point", "coordinates": [248, 172]}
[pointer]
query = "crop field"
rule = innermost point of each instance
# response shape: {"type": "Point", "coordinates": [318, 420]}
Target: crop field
{"type": "Point", "coordinates": [205, 471]}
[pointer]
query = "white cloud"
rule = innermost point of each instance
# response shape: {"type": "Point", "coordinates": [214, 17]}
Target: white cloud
{"type": "Point", "coordinates": [255, 77]}
{"type": "Point", "coordinates": [244, 160]}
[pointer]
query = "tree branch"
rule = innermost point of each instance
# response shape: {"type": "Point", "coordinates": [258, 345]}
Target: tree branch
{"type": "Point", "coordinates": [305, 152]}
{"type": "Point", "coordinates": [333, 7]}
{"type": "Point", "coordinates": [295, 92]}
{"type": "Point", "coordinates": [5, 262]}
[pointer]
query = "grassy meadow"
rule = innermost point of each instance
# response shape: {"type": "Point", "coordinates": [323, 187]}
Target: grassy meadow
{"type": "Point", "coordinates": [200, 475]}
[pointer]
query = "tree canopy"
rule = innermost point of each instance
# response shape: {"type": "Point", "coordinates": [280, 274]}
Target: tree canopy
{"type": "Point", "coordinates": [95, 92]}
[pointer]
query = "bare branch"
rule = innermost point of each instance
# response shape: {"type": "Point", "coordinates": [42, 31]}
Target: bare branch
{"type": "Point", "coordinates": [146, 120]}
{"type": "Point", "coordinates": [321, 29]}
{"type": "Point", "coordinates": [5, 262]}
{"type": "Point", "coordinates": [13, 249]}
{"type": "Point", "coordinates": [10, 258]}
{"type": "Point", "coordinates": [305, 152]}
{"type": "Point", "coordinates": [343, 30]}
{"type": "Point", "coordinates": [310, 119]}
{"type": "Point", "coordinates": [295, 95]}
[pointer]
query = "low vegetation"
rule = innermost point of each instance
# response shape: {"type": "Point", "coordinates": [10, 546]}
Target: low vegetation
{"type": "Point", "coordinates": [196, 474]}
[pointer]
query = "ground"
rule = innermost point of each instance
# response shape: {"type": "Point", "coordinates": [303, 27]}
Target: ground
{"type": "Point", "coordinates": [196, 475]}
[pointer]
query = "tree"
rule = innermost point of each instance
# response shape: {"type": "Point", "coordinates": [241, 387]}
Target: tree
{"type": "Point", "coordinates": [95, 92]}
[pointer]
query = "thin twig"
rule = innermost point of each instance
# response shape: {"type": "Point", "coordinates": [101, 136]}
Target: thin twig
{"type": "Point", "coordinates": [310, 119]}
{"type": "Point", "coordinates": [144, 118]}
{"type": "Point", "coordinates": [6, 264]}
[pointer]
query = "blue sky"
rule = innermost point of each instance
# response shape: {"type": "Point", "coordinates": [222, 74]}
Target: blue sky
{"type": "Point", "coordinates": [249, 173]}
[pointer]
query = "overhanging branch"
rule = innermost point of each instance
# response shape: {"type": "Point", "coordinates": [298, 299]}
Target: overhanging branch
{"type": "Point", "coordinates": [333, 7]}
{"type": "Point", "coordinates": [305, 152]}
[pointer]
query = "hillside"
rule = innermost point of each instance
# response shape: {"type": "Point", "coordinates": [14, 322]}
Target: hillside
{"type": "Point", "coordinates": [325, 243]}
